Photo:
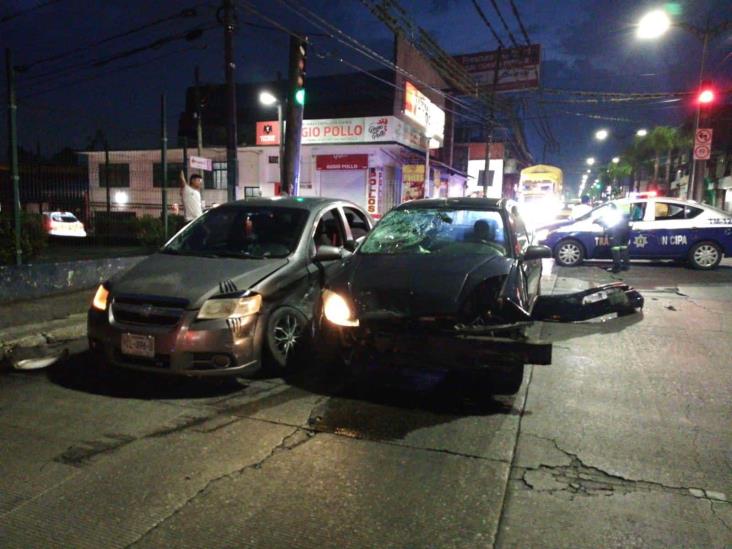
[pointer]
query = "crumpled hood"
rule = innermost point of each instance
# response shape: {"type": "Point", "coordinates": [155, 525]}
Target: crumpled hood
{"type": "Point", "coordinates": [192, 278]}
{"type": "Point", "coordinates": [415, 285]}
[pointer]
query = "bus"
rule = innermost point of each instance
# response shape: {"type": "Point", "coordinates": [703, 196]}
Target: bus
{"type": "Point", "coordinates": [540, 193]}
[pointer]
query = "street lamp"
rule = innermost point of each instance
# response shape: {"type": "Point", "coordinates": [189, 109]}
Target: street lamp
{"type": "Point", "coordinates": [601, 135]}
{"type": "Point", "coordinates": [588, 171]}
{"type": "Point", "coordinates": [590, 161]}
{"type": "Point", "coordinates": [653, 25]}
{"type": "Point", "coordinates": [268, 99]}
{"type": "Point", "coordinates": [616, 159]}
{"type": "Point", "coordinates": [642, 132]}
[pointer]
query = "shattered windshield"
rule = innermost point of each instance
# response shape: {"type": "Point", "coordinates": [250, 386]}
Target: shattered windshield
{"type": "Point", "coordinates": [437, 231]}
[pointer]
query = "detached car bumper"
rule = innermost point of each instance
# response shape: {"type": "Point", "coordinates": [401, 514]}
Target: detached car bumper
{"type": "Point", "coordinates": [189, 347]}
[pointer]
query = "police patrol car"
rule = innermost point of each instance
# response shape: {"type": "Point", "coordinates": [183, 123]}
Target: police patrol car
{"type": "Point", "coordinates": [661, 228]}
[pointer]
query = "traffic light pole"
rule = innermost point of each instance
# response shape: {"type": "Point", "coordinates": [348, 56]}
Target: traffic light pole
{"type": "Point", "coordinates": [293, 129]}
{"type": "Point", "coordinates": [232, 170]}
{"type": "Point", "coordinates": [13, 153]}
{"type": "Point", "coordinates": [698, 167]}
{"type": "Point", "coordinates": [164, 166]}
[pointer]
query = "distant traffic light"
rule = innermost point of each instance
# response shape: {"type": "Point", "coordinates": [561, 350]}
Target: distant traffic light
{"type": "Point", "coordinates": [298, 56]}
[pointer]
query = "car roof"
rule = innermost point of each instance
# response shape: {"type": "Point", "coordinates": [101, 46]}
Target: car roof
{"type": "Point", "coordinates": [309, 203]}
{"type": "Point", "coordinates": [466, 203]}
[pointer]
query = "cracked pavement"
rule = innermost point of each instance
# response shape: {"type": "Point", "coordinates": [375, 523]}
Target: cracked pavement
{"type": "Point", "coordinates": [623, 442]}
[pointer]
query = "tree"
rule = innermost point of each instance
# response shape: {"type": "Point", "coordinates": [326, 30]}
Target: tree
{"type": "Point", "coordinates": [618, 172]}
{"type": "Point", "coordinates": [661, 140]}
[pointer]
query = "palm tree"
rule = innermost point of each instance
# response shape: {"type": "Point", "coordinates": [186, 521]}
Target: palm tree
{"type": "Point", "coordinates": [618, 172]}
{"type": "Point", "coordinates": [681, 141]}
{"type": "Point", "coordinates": [661, 140]}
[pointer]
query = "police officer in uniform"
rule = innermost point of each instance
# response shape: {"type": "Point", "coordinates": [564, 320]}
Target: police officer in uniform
{"type": "Point", "coordinates": [617, 228]}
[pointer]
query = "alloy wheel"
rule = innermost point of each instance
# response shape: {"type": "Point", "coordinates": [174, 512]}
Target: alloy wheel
{"type": "Point", "coordinates": [286, 334]}
{"type": "Point", "coordinates": [569, 253]}
{"type": "Point", "coordinates": [706, 255]}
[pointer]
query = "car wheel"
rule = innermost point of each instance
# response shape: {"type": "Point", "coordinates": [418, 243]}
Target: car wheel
{"type": "Point", "coordinates": [507, 380]}
{"type": "Point", "coordinates": [569, 253]}
{"type": "Point", "coordinates": [287, 332]}
{"type": "Point", "coordinates": [705, 255]}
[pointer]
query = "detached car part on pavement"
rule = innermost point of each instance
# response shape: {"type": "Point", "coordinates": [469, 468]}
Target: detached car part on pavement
{"type": "Point", "coordinates": [453, 284]}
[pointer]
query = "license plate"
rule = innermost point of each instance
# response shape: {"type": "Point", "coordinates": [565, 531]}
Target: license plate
{"type": "Point", "coordinates": [138, 345]}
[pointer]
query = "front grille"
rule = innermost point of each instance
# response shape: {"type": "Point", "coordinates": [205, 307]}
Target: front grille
{"type": "Point", "coordinates": [148, 311]}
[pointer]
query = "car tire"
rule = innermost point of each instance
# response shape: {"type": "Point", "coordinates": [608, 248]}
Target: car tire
{"type": "Point", "coordinates": [507, 380]}
{"type": "Point", "coordinates": [287, 337]}
{"type": "Point", "coordinates": [569, 252]}
{"type": "Point", "coordinates": [705, 255]}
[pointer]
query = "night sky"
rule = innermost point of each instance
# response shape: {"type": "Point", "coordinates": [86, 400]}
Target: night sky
{"type": "Point", "coordinates": [587, 45]}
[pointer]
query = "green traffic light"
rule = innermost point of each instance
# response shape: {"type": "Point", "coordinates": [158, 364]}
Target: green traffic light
{"type": "Point", "coordinates": [300, 96]}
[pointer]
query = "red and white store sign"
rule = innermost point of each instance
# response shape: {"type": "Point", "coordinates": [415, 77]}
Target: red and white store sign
{"type": "Point", "coordinates": [341, 161]}
{"type": "Point", "coordinates": [268, 133]}
{"type": "Point", "coordinates": [370, 129]}
{"type": "Point", "coordinates": [373, 190]}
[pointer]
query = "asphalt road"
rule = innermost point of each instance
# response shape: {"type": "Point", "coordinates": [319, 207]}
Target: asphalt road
{"type": "Point", "coordinates": [623, 442]}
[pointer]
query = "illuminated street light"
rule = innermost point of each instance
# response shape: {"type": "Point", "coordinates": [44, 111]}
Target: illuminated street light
{"type": "Point", "coordinates": [616, 159]}
{"type": "Point", "coordinates": [642, 132]}
{"type": "Point", "coordinates": [590, 161]}
{"type": "Point", "coordinates": [653, 24]}
{"type": "Point", "coordinates": [588, 171]}
{"type": "Point", "coordinates": [267, 98]}
{"type": "Point", "coordinates": [601, 135]}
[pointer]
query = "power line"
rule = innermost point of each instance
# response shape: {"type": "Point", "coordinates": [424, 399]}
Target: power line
{"type": "Point", "coordinates": [188, 12]}
{"type": "Point", "coordinates": [521, 24]}
{"type": "Point", "coordinates": [324, 53]}
{"type": "Point", "coordinates": [505, 25]}
{"type": "Point", "coordinates": [488, 23]}
{"type": "Point", "coordinates": [18, 13]}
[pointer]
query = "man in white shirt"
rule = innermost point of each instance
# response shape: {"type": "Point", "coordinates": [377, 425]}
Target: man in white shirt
{"type": "Point", "coordinates": [191, 196]}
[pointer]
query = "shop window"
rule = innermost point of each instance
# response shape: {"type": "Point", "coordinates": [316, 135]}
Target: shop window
{"type": "Point", "coordinates": [252, 192]}
{"type": "Point", "coordinates": [118, 175]}
{"type": "Point", "coordinates": [216, 179]}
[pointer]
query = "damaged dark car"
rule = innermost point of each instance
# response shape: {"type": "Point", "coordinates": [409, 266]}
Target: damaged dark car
{"type": "Point", "coordinates": [452, 284]}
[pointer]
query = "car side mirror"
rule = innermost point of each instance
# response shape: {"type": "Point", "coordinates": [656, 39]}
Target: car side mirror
{"type": "Point", "coordinates": [538, 252]}
{"type": "Point", "coordinates": [328, 253]}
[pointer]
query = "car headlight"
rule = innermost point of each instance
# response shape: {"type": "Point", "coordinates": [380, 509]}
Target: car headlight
{"type": "Point", "coordinates": [100, 298]}
{"type": "Point", "coordinates": [230, 307]}
{"type": "Point", "coordinates": [541, 235]}
{"type": "Point", "coordinates": [337, 310]}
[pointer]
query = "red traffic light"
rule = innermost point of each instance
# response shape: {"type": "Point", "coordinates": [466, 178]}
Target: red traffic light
{"type": "Point", "coordinates": [706, 96]}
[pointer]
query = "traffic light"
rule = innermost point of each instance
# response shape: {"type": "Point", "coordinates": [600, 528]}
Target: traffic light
{"type": "Point", "coordinates": [706, 95]}
{"type": "Point", "coordinates": [298, 56]}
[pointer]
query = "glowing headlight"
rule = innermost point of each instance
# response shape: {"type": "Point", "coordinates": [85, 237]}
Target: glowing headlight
{"type": "Point", "coordinates": [100, 298]}
{"type": "Point", "coordinates": [337, 310]}
{"type": "Point", "coordinates": [230, 307]}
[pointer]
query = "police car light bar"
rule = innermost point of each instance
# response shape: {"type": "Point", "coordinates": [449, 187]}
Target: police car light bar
{"type": "Point", "coordinates": [646, 194]}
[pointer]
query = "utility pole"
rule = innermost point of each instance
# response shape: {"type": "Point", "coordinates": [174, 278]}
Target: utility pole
{"type": "Point", "coordinates": [13, 152]}
{"type": "Point", "coordinates": [106, 182]}
{"type": "Point", "coordinates": [199, 123]}
{"type": "Point", "coordinates": [295, 106]}
{"type": "Point", "coordinates": [489, 125]}
{"type": "Point", "coordinates": [698, 167]}
{"type": "Point", "coordinates": [232, 170]}
{"type": "Point", "coordinates": [164, 165]}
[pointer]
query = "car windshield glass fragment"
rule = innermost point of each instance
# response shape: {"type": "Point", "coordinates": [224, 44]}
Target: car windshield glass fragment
{"type": "Point", "coordinates": [254, 232]}
{"type": "Point", "coordinates": [437, 231]}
